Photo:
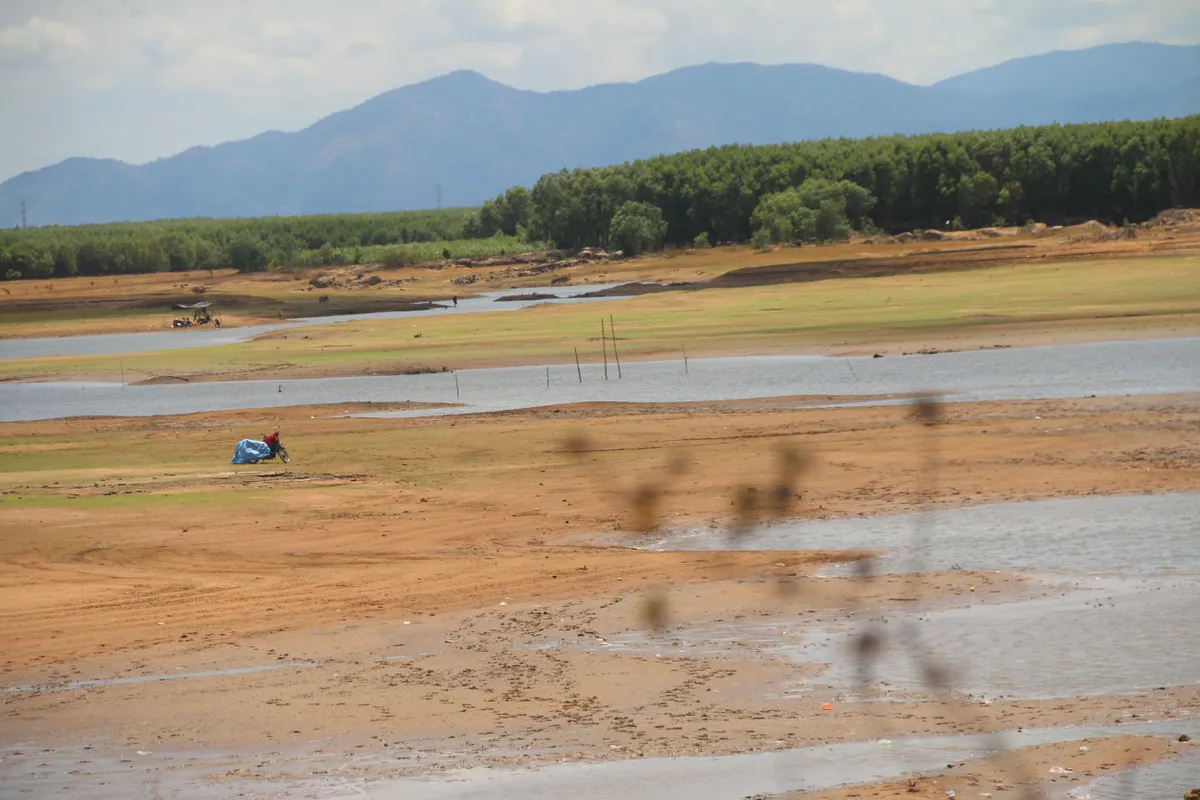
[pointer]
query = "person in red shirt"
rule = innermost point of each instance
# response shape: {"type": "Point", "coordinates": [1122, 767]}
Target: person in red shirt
{"type": "Point", "coordinates": [272, 441]}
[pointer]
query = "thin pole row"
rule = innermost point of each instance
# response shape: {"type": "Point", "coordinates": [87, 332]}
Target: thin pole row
{"type": "Point", "coordinates": [616, 355]}
{"type": "Point", "coordinates": [604, 345]}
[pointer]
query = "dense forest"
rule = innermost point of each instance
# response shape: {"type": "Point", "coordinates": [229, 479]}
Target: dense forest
{"type": "Point", "coordinates": [803, 192]}
{"type": "Point", "coordinates": [244, 244]}
{"type": "Point", "coordinates": [812, 191]}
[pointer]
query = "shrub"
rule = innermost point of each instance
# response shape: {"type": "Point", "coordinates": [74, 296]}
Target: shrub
{"type": "Point", "coordinates": [637, 227]}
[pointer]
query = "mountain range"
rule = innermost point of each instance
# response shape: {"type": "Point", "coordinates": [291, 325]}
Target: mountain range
{"type": "Point", "coordinates": [463, 138]}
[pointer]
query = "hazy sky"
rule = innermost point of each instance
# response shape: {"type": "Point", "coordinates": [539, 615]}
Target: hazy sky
{"type": "Point", "coordinates": [142, 79]}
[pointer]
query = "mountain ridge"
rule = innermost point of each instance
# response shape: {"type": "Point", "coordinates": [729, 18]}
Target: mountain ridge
{"type": "Point", "coordinates": [469, 137]}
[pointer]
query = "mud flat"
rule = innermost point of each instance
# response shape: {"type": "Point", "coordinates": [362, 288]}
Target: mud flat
{"type": "Point", "coordinates": [417, 605]}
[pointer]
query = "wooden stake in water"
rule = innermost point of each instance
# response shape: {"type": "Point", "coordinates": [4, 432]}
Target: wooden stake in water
{"type": "Point", "coordinates": [122, 374]}
{"type": "Point", "coordinates": [457, 392]}
{"type": "Point", "coordinates": [685, 364]}
{"type": "Point", "coordinates": [577, 368]}
{"type": "Point", "coordinates": [613, 332]}
{"type": "Point", "coordinates": [604, 346]}
{"type": "Point", "coordinates": [547, 377]}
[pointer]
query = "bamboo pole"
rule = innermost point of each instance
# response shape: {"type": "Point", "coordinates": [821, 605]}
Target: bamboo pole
{"type": "Point", "coordinates": [577, 368]}
{"type": "Point", "coordinates": [613, 332]}
{"type": "Point", "coordinates": [604, 346]}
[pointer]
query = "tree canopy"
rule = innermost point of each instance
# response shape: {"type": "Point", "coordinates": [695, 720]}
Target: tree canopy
{"type": "Point", "coordinates": [806, 191]}
{"type": "Point", "coordinates": [636, 227]}
{"type": "Point", "coordinates": [246, 244]}
{"type": "Point", "coordinates": [1056, 174]}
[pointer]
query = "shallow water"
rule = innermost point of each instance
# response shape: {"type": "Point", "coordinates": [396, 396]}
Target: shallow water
{"type": "Point", "coordinates": [726, 777]}
{"type": "Point", "coordinates": [1103, 633]}
{"type": "Point", "coordinates": [1104, 369]}
{"type": "Point", "coordinates": [1092, 642]}
{"type": "Point", "coordinates": [1109, 535]}
{"type": "Point", "coordinates": [1166, 780]}
{"type": "Point", "coordinates": [317, 772]}
{"type": "Point", "coordinates": [170, 676]}
{"type": "Point", "coordinates": [188, 338]}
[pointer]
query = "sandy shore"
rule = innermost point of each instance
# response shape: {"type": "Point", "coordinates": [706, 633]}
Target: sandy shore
{"type": "Point", "coordinates": [342, 532]}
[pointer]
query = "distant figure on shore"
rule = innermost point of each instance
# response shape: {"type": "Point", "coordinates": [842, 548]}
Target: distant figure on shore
{"type": "Point", "coordinates": [218, 323]}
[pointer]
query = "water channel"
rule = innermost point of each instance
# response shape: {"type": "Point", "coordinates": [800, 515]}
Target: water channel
{"type": "Point", "coordinates": [1161, 366]}
{"type": "Point", "coordinates": [106, 344]}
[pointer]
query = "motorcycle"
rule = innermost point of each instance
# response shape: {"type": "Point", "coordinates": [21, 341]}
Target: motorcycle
{"type": "Point", "coordinates": [252, 451]}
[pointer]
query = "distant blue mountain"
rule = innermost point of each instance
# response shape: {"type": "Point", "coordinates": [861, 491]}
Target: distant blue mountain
{"type": "Point", "coordinates": [1104, 70]}
{"type": "Point", "coordinates": [474, 137]}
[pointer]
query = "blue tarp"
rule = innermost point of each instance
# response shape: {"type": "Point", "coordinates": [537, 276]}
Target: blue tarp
{"type": "Point", "coordinates": [249, 450]}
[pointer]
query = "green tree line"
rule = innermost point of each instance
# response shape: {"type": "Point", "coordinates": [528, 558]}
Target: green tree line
{"type": "Point", "coordinates": [244, 244]}
{"type": "Point", "coordinates": [813, 191]}
{"type": "Point", "coordinates": [807, 191]}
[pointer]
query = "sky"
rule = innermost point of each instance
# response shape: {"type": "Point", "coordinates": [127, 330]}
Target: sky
{"type": "Point", "coordinates": [144, 79]}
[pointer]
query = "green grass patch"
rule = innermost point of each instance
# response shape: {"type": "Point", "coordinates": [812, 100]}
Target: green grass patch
{"type": "Point", "coordinates": [180, 500]}
{"type": "Point", "coordinates": [399, 255]}
{"type": "Point", "coordinates": [824, 313]}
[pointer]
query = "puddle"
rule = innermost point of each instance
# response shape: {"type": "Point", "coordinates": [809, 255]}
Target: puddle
{"type": "Point", "coordinates": [174, 676]}
{"type": "Point", "coordinates": [1166, 780]}
{"type": "Point", "coordinates": [1106, 369]}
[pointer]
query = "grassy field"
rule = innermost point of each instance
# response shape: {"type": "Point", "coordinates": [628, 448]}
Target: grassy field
{"type": "Point", "coordinates": [395, 255]}
{"type": "Point", "coordinates": [909, 310]}
{"type": "Point", "coordinates": [132, 303]}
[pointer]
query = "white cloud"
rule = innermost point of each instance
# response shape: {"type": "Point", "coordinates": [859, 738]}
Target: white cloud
{"type": "Point", "coordinates": [139, 79]}
{"type": "Point", "coordinates": [39, 36]}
